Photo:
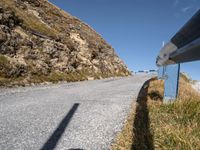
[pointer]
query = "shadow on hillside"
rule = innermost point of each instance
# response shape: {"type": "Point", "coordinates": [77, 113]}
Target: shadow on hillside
{"type": "Point", "coordinates": [57, 134]}
{"type": "Point", "coordinates": [143, 138]}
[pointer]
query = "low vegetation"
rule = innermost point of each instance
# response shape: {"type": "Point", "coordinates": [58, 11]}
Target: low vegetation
{"type": "Point", "coordinates": [4, 65]}
{"type": "Point", "coordinates": [45, 44]}
{"type": "Point", "coordinates": [30, 21]}
{"type": "Point", "coordinates": [53, 77]}
{"type": "Point", "coordinates": [155, 125]}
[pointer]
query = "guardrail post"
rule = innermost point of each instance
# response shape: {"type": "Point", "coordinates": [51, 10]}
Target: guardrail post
{"type": "Point", "coordinates": [171, 76]}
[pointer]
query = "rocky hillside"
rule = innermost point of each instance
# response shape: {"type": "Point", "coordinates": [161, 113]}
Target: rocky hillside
{"type": "Point", "coordinates": [39, 42]}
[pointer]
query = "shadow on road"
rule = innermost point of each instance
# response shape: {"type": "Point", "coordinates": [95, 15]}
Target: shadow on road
{"type": "Point", "coordinates": [143, 138]}
{"type": "Point", "coordinates": [57, 134]}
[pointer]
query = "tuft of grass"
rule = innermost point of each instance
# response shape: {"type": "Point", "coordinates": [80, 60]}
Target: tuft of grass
{"type": "Point", "coordinates": [4, 81]}
{"type": "Point", "coordinates": [4, 66]}
{"type": "Point", "coordinates": [53, 77]}
{"type": "Point", "coordinates": [176, 125]}
{"type": "Point", "coordinates": [169, 126]}
{"type": "Point", "coordinates": [3, 60]}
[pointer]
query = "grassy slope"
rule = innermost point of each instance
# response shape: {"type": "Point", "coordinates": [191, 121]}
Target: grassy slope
{"type": "Point", "coordinates": [154, 125]}
{"type": "Point", "coordinates": [32, 23]}
{"type": "Point", "coordinates": [29, 20]}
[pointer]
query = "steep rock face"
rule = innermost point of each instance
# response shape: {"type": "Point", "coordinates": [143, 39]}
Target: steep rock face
{"type": "Point", "coordinates": [40, 42]}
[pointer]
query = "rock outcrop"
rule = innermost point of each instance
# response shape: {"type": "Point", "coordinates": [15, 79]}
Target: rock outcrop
{"type": "Point", "coordinates": [40, 42]}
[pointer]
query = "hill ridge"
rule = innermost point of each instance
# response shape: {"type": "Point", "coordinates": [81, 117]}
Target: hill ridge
{"type": "Point", "coordinates": [39, 42]}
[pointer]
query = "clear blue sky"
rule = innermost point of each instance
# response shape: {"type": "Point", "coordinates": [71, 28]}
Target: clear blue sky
{"type": "Point", "coordinates": [136, 28]}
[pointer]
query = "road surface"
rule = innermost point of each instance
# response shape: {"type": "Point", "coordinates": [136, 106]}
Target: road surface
{"type": "Point", "coordinates": [83, 115]}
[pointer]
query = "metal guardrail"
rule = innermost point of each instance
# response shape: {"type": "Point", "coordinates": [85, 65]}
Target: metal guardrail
{"type": "Point", "coordinates": [183, 47]}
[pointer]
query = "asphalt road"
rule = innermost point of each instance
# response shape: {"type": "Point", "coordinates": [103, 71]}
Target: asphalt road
{"type": "Point", "coordinates": [83, 115]}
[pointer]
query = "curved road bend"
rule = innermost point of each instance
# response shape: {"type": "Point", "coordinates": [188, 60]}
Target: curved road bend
{"type": "Point", "coordinates": [83, 115]}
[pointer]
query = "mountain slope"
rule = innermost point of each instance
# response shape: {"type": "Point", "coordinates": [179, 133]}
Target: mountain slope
{"type": "Point", "coordinates": [40, 42]}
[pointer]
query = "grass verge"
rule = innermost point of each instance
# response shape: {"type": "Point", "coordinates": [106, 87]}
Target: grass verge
{"type": "Point", "coordinates": [53, 77]}
{"type": "Point", "coordinates": [154, 125]}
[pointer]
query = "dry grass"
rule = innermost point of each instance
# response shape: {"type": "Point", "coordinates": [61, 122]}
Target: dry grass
{"type": "Point", "coordinates": [54, 23]}
{"type": "Point", "coordinates": [53, 77]}
{"type": "Point", "coordinates": [3, 60]}
{"type": "Point", "coordinates": [4, 66]}
{"type": "Point", "coordinates": [30, 21]}
{"type": "Point", "coordinates": [154, 125]}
